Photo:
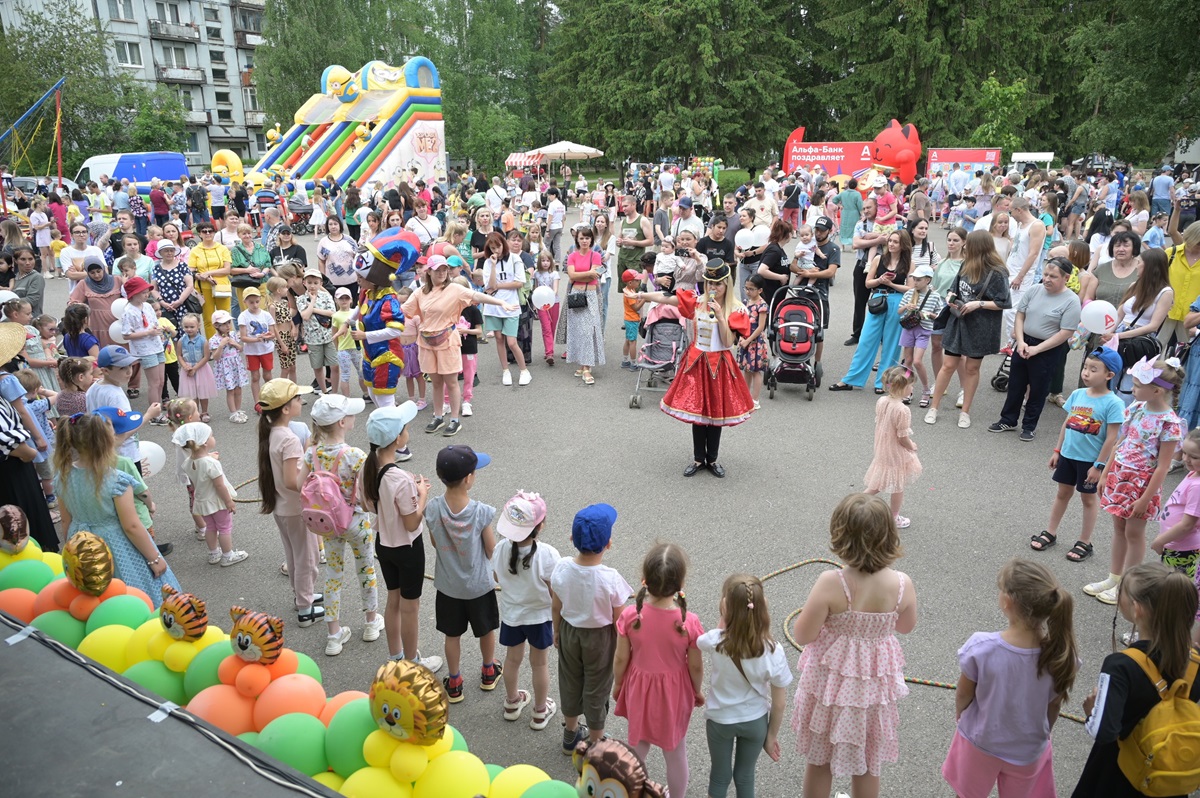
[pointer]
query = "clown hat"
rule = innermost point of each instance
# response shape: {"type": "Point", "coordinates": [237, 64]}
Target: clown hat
{"type": "Point", "coordinates": [397, 247]}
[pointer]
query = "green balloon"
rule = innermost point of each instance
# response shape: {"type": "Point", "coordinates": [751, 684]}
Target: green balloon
{"type": "Point", "coordinates": [61, 625]}
{"type": "Point", "coordinates": [460, 742]}
{"type": "Point", "coordinates": [202, 670]}
{"type": "Point", "coordinates": [307, 666]}
{"type": "Point", "coordinates": [154, 675]}
{"type": "Point", "coordinates": [125, 610]}
{"type": "Point", "coordinates": [493, 770]}
{"type": "Point", "coordinates": [249, 738]}
{"type": "Point", "coordinates": [296, 739]}
{"type": "Point", "coordinates": [347, 731]}
{"type": "Point", "coordinates": [551, 789]}
{"type": "Point", "coordinates": [29, 574]}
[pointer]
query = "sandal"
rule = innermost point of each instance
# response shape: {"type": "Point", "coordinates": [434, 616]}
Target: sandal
{"type": "Point", "coordinates": [1080, 551]}
{"type": "Point", "coordinates": [841, 386]}
{"type": "Point", "coordinates": [1042, 541]}
{"type": "Point", "coordinates": [879, 392]}
{"type": "Point", "coordinates": [205, 417]}
{"type": "Point", "coordinates": [925, 398]}
{"type": "Point", "coordinates": [588, 379]}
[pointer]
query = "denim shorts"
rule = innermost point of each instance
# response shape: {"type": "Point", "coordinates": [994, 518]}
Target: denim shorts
{"type": "Point", "coordinates": [150, 361]}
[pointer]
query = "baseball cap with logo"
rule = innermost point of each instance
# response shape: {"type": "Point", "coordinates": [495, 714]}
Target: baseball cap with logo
{"type": "Point", "coordinates": [521, 515]}
{"type": "Point", "coordinates": [114, 357]}
{"type": "Point", "coordinates": [122, 420]}
{"type": "Point", "coordinates": [824, 223]}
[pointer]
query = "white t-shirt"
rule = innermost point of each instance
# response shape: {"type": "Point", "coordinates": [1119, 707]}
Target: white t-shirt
{"type": "Point", "coordinates": [137, 319]}
{"type": "Point", "coordinates": [495, 198]}
{"type": "Point", "coordinates": [589, 593]}
{"type": "Point", "coordinates": [528, 198]}
{"type": "Point", "coordinates": [506, 270]}
{"type": "Point", "coordinates": [733, 698]}
{"type": "Point", "coordinates": [556, 213]}
{"type": "Point", "coordinates": [258, 324]}
{"type": "Point", "coordinates": [427, 229]}
{"type": "Point", "coordinates": [666, 181]}
{"type": "Point", "coordinates": [525, 595]}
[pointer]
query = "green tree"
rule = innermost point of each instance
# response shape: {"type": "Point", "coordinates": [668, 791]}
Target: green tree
{"type": "Point", "coordinates": [492, 133]}
{"type": "Point", "coordinates": [1004, 111]}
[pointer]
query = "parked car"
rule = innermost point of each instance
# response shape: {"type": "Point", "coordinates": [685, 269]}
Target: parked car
{"type": "Point", "coordinates": [30, 184]}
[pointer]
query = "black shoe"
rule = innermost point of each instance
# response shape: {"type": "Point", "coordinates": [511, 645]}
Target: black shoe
{"type": "Point", "coordinates": [165, 548]}
{"type": "Point", "coordinates": [316, 388]}
{"type": "Point", "coordinates": [435, 425]}
{"type": "Point", "coordinates": [1000, 426]}
{"type": "Point", "coordinates": [851, 341]}
{"type": "Point", "coordinates": [692, 468]}
{"type": "Point", "coordinates": [314, 615]}
{"type": "Point", "coordinates": [841, 386]}
{"type": "Point", "coordinates": [452, 428]}
{"type": "Point", "coordinates": [1027, 435]}
{"type": "Point", "coordinates": [318, 598]}
{"type": "Point", "coordinates": [717, 470]}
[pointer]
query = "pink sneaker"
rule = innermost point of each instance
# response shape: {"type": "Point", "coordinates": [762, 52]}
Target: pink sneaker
{"type": "Point", "coordinates": [422, 404]}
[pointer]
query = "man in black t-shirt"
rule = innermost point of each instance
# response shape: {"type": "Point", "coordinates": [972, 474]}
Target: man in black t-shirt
{"type": "Point", "coordinates": [828, 258]}
{"type": "Point", "coordinates": [791, 202]}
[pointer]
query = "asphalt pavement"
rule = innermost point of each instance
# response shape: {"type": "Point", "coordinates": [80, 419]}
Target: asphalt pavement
{"type": "Point", "coordinates": [979, 500]}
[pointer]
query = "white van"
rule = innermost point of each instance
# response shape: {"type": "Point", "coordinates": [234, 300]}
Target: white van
{"type": "Point", "coordinates": [136, 167]}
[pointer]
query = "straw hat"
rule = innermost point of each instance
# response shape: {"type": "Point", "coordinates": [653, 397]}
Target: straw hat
{"type": "Point", "coordinates": [12, 340]}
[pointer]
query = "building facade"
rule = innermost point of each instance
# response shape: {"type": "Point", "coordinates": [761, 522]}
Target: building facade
{"type": "Point", "coordinates": [203, 50]}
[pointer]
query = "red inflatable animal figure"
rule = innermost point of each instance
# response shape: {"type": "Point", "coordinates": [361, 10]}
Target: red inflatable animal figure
{"type": "Point", "coordinates": [898, 147]}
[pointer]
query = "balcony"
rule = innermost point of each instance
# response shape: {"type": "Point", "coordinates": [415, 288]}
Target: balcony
{"type": "Point", "coordinates": [178, 33]}
{"type": "Point", "coordinates": [247, 40]}
{"type": "Point", "coordinates": [247, 77]}
{"type": "Point", "coordinates": [255, 118]}
{"type": "Point", "coordinates": [259, 4]}
{"type": "Point", "coordinates": [173, 74]}
{"type": "Point", "coordinates": [195, 117]}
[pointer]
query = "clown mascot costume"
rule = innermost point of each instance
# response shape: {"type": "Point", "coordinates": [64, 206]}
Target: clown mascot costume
{"type": "Point", "coordinates": [389, 256]}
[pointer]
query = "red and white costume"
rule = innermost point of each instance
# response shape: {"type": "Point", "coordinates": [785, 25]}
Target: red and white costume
{"type": "Point", "coordinates": [708, 388]}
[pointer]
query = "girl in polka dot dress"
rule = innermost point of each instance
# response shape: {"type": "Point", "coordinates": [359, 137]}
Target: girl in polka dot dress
{"type": "Point", "coordinates": [851, 670]}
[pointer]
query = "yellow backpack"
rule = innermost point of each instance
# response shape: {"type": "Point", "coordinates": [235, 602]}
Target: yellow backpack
{"type": "Point", "coordinates": [1161, 756]}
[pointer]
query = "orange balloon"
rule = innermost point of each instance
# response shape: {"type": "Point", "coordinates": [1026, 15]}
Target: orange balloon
{"type": "Point", "coordinates": [222, 706]}
{"type": "Point", "coordinates": [130, 590]}
{"type": "Point", "coordinates": [229, 668]}
{"type": "Point", "coordinates": [64, 593]}
{"type": "Point", "coordinates": [338, 701]}
{"type": "Point", "coordinates": [252, 679]}
{"type": "Point", "coordinates": [19, 603]}
{"type": "Point", "coordinates": [83, 605]}
{"type": "Point", "coordinates": [45, 599]}
{"type": "Point", "coordinates": [115, 588]}
{"type": "Point", "coordinates": [295, 692]}
{"type": "Point", "coordinates": [287, 663]}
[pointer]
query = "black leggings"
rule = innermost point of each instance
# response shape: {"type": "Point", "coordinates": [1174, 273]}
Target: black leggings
{"type": "Point", "coordinates": [706, 440]}
{"type": "Point", "coordinates": [172, 377]}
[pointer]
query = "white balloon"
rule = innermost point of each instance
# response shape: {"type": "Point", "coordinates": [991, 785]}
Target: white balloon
{"type": "Point", "coordinates": [760, 234]}
{"type": "Point", "coordinates": [744, 238]}
{"type": "Point", "coordinates": [543, 297]}
{"type": "Point", "coordinates": [153, 457]}
{"type": "Point", "coordinates": [118, 307]}
{"type": "Point", "coordinates": [1098, 316]}
{"type": "Point", "coordinates": [114, 332]}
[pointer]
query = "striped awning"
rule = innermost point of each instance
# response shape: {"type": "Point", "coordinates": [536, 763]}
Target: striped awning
{"type": "Point", "coordinates": [520, 160]}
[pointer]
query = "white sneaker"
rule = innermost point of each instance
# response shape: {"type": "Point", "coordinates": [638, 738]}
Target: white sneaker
{"type": "Point", "coordinates": [371, 629]}
{"type": "Point", "coordinates": [931, 416]}
{"type": "Point", "coordinates": [506, 377]}
{"type": "Point", "coordinates": [321, 557]}
{"type": "Point", "coordinates": [1096, 588]}
{"type": "Point", "coordinates": [959, 401]}
{"type": "Point", "coordinates": [233, 558]}
{"type": "Point", "coordinates": [201, 534]}
{"type": "Point", "coordinates": [445, 410]}
{"type": "Point", "coordinates": [434, 664]}
{"type": "Point", "coordinates": [902, 522]}
{"type": "Point", "coordinates": [964, 421]}
{"type": "Point", "coordinates": [334, 643]}
{"type": "Point", "coordinates": [525, 378]}
{"type": "Point", "coordinates": [466, 409]}
{"type": "Point", "coordinates": [214, 557]}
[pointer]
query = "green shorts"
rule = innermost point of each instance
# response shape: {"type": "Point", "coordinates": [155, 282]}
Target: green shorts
{"type": "Point", "coordinates": [501, 324]}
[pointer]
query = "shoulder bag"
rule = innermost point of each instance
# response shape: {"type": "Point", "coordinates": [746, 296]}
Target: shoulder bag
{"type": "Point", "coordinates": [1140, 346]}
{"type": "Point", "coordinates": [577, 300]}
{"type": "Point", "coordinates": [913, 317]}
{"type": "Point", "coordinates": [943, 317]}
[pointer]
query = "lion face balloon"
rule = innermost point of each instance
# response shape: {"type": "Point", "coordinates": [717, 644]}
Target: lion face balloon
{"type": "Point", "coordinates": [183, 616]}
{"type": "Point", "coordinates": [612, 769]}
{"type": "Point", "coordinates": [256, 636]}
{"type": "Point", "coordinates": [14, 529]}
{"type": "Point", "coordinates": [409, 702]}
{"type": "Point", "coordinates": [88, 563]}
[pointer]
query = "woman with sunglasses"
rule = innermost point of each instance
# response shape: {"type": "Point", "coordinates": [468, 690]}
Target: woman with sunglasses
{"type": "Point", "coordinates": [211, 263]}
{"type": "Point", "coordinates": [72, 257]}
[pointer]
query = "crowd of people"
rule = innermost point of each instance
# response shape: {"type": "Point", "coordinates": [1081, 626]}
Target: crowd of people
{"type": "Point", "coordinates": [209, 296]}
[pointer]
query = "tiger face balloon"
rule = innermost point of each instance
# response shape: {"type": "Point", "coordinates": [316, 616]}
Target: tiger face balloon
{"type": "Point", "coordinates": [183, 616]}
{"type": "Point", "coordinates": [256, 636]}
{"type": "Point", "coordinates": [88, 563]}
{"type": "Point", "coordinates": [14, 529]}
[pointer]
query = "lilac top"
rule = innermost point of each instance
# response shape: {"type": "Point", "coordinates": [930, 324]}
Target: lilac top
{"type": "Point", "coordinates": [1184, 501]}
{"type": "Point", "coordinates": [1008, 718]}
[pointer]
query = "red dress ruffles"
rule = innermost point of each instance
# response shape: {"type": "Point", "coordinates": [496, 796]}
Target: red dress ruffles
{"type": "Point", "coordinates": [708, 388]}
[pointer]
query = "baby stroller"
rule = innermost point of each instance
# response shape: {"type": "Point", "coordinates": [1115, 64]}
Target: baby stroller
{"type": "Point", "coordinates": [796, 326]}
{"type": "Point", "coordinates": [1000, 381]}
{"type": "Point", "coordinates": [658, 358]}
{"type": "Point", "coordinates": [300, 209]}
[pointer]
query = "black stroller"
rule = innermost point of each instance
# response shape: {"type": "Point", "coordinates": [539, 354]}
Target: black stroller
{"type": "Point", "coordinates": [658, 358]}
{"type": "Point", "coordinates": [796, 326]}
{"type": "Point", "coordinates": [300, 209]}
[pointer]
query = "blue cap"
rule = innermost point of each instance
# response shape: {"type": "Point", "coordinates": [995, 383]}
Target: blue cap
{"type": "Point", "coordinates": [117, 356]}
{"type": "Point", "coordinates": [385, 424]}
{"type": "Point", "coordinates": [592, 528]}
{"type": "Point", "coordinates": [1110, 358]}
{"type": "Point", "coordinates": [122, 420]}
{"type": "Point", "coordinates": [456, 463]}
{"type": "Point", "coordinates": [685, 202]}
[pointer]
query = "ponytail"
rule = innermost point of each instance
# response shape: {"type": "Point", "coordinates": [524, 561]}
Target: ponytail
{"type": "Point", "coordinates": [266, 476]}
{"type": "Point", "coordinates": [370, 477]}
{"type": "Point", "coordinates": [1060, 656]}
{"type": "Point", "coordinates": [1169, 600]}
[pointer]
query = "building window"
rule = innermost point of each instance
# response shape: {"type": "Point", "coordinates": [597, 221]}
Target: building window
{"type": "Point", "coordinates": [250, 98]}
{"type": "Point", "coordinates": [220, 76]}
{"type": "Point", "coordinates": [128, 53]}
{"type": "Point", "coordinates": [193, 141]}
{"type": "Point", "coordinates": [185, 97]}
{"type": "Point", "coordinates": [211, 15]}
{"type": "Point", "coordinates": [216, 56]}
{"type": "Point", "coordinates": [249, 21]}
{"type": "Point", "coordinates": [222, 98]}
{"type": "Point", "coordinates": [167, 12]}
{"type": "Point", "coordinates": [248, 59]}
{"type": "Point", "coordinates": [260, 142]}
{"type": "Point", "coordinates": [174, 56]}
{"type": "Point", "coordinates": [121, 9]}
{"type": "Point", "coordinates": [225, 116]}
{"type": "Point", "coordinates": [214, 34]}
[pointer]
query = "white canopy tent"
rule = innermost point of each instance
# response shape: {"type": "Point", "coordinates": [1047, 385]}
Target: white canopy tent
{"type": "Point", "coordinates": [567, 151]}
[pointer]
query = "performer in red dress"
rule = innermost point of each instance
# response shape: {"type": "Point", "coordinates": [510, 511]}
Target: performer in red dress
{"type": "Point", "coordinates": [709, 392]}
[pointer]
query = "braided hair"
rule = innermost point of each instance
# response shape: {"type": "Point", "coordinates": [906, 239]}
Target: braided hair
{"type": "Point", "coordinates": [514, 552]}
{"type": "Point", "coordinates": [663, 573]}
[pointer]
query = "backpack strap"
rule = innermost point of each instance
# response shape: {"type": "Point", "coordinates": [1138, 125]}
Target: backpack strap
{"type": "Point", "coordinates": [1156, 678]}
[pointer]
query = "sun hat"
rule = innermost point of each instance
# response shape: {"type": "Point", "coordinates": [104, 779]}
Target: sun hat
{"type": "Point", "coordinates": [12, 340]}
{"type": "Point", "coordinates": [385, 424]}
{"type": "Point", "coordinates": [192, 432]}
{"type": "Point", "coordinates": [278, 392]}
{"type": "Point", "coordinates": [135, 286]}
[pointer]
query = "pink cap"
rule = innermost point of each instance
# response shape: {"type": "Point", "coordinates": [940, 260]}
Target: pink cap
{"type": "Point", "coordinates": [521, 514]}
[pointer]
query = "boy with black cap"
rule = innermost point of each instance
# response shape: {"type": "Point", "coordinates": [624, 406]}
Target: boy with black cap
{"type": "Point", "coordinates": [588, 599]}
{"type": "Point", "coordinates": [460, 529]}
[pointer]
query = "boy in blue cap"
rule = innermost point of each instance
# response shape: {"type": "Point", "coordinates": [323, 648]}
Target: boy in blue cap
{"type": "Point", "coordinates": [460, 529]}
{"type": "Point", "coordinates": [1085, 444]}
{"type": "Point", "coordinates": [588, 598]}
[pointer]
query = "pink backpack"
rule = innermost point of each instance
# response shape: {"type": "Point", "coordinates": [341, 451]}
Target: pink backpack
{"type": "Point", "coordinates": [324, 509]}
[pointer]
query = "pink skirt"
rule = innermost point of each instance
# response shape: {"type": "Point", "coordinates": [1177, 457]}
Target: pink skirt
{"type": "Point", "coordinates": [201, 385]}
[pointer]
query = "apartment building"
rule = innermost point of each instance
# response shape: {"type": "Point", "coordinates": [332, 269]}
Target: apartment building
{"type": "Point", "coordinates": [201, 49]}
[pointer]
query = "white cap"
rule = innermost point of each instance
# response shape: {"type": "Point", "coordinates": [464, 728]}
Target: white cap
{"type": "Point", "coordinates": [923, 271]}
{"type": "Point", "coordinates": [341, 292]}
{"type": "Point", "coordinates": [880, 182]}
{"type": "Point", "coordinates": [332, 408]}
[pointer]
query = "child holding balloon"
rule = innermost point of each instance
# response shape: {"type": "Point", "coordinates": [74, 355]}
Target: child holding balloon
{"type": "Point", "coordinates": [547, 276]}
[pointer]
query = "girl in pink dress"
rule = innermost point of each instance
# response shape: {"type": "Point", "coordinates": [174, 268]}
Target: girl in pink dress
{"type": "Point", "coordinates": [895, 464]}
{"type": "Point", "coordinates": [851, 670]}
{"type": "Point", "coordinates": [658, 674]}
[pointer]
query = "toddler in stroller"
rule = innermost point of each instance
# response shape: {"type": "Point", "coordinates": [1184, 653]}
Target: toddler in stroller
{"type": "Point", "coordinates": [797, 325]}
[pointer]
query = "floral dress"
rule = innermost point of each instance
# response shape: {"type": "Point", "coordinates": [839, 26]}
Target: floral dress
{"type": "Point", "coordinates": [754, 356]}
{"type": "Point", "coordinates": [283, 333]}
{"type": "Point", "coordinates": [171, 284]}
{"type": "Point", "coordinates": [229, 370]}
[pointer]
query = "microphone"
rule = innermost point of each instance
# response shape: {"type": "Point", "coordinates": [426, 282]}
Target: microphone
{"type": "Point", "coordinates": [712, 297]}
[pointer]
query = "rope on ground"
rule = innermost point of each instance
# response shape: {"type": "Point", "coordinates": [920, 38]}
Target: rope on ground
{"type": "Point", "coordinates": [787, 629]}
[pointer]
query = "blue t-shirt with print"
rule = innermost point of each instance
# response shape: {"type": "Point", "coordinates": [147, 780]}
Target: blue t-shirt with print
{"type": "Point", "coordinates": [1088, 418]}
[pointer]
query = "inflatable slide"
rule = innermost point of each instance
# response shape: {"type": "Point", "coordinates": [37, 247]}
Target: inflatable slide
{"type": "Point", "coordinates": [374, 124]}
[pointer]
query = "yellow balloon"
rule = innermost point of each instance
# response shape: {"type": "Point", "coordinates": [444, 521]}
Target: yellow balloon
{"type": "Point", "coordinates": [331, 780]}
{"type": "Point", "coordinates": [135, 649]}
{"type": "Point", "coordinates": [375, 783]}
{"type": "Point", "coordinates": [409, 761]}
{"type": "Point", "coordinates": [107, 645]}
{"type": "Point", "coordinates": [54, 560]}
{"type": "Point", "coordinates": [378, 749]}
{"type": "Point", "coordinates": [442, 746]}
{"type": "Point", "coordinates": [512, 782]}
{"type": "Point", "coordinates": [211, 635]}
{"type": "Point", "coordinates": [179, 655]}
{"type": "Point", "coordinates": [157, 645]}
{"type": "Point", "coordinates": [32, 551]}
{"type": "Point", "coordinates": [456, 774]}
